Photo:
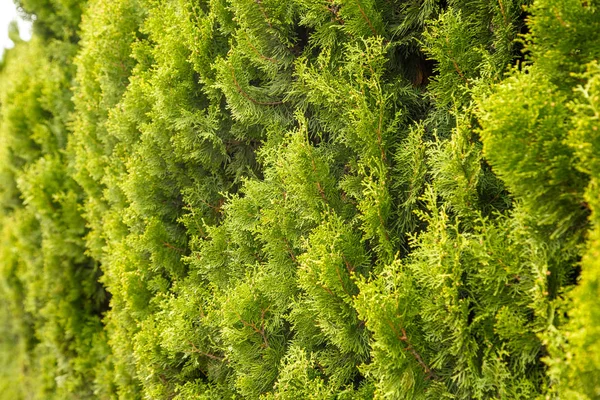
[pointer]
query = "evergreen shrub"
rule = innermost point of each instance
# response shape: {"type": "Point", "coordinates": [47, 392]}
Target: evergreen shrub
{"type": "Point", "coordinates": [301, 199]}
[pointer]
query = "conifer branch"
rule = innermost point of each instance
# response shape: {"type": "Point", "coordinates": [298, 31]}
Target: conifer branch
{"type": "Point", "coordinates": [321, 192]}
{"type": "Point", "coordinates": [382, 222]}
{"type": "Point", "coordinates": [379, 137]}
{"type": "Point", "coordinates": [217, 208]}
{"type": "Point", "coordinates": [334, 9]}
{"type": "Point", "coordinates": [339, 275]}
{"type": "Point", "coordinates": [247, 96]}
{"type": "Point", "coordinates": [560, 19]}
{"type": "Point", "coordinates": [253, 326]}
{"type": "Point", "coordinates": [411, 350]}
{"type": "Point", "coordinates": [456, 67]}
{"type": "Point", "coordinates": [346, 198]}
{"type": "Point", "coordinates": [230, 143]}
{"type": "Point", "coordinates": [503, 12]}
{"type": "Point", "coordinates": [177, 249]}
{"type": "Point", "coordinates": [319, 187]}
{"type": "Point", "coordinates": [326, 289]}
{"type": "Point", "coordinates": [258, 258]}
{"type": "Point", "coordinates": [366, 18]}
{"type": "Point", "coordinates": [209, 355]}
{"type": "Point", "coordinates": [289, 249]}
{"type": "Point", "coordinates": [258, 53]}
{"type": "Point", "coordinates": [203, 371]}
{"type": "Point", "coordinates": [264, 13]}
{"type": "Point", "coordinates": [321, 368]}
{"type": "Point", "coordinates": [349, 266]}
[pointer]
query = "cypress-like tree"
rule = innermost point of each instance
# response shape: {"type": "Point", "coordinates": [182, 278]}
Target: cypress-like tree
{"type": "Point", "coordinates": [50, 288]}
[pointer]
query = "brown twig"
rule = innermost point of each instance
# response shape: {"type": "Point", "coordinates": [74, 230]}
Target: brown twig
{"type": "Point", "coordinates": [319, 187]}
{"type": "Point", "coordinates": [252, 325]}
{"type": "Point", "coordinates": [503, 12]}
{"type": "Point", "coordinates": [209, 355]}
{"type": "Point", "coordinates": [349, 266]}
{"type": "Point", "coordinates": [366, 18]}
{"type": "Point", "coordinates": [258, 53]}
{"type": "Point", "coordinates": [289, 249]}
{"type": "Point", "coordinates": [382, 222]}
{"type": "Point", "coordinates": [455, 63]}
{"type": "Point", "coordinates": [217, 208]}
{"type": "Point", "coordinates": [325, 288]}
{"type": "Point", "coordinates": [411, 350]}
{"type": "Point", "coordinates": [321, 192]}
{"type": "Point", "coordinates": [262, 9]}
{"type": "Point", "coordinates": [170, 246]}
{"type": "Point", "coordinates": [258, 258]}
{"type": "Point", "coordinates": [379, 137]}
{"type": "Point", "coordinates": [339, 275]}
{"type": "Point", "coordinates": [458, 69]}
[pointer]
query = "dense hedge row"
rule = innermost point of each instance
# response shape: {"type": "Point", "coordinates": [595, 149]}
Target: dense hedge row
{"type": "Point", "coordinates": [301, 199]}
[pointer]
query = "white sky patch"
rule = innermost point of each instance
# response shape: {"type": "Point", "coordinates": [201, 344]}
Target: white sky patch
{"type": "Point", "coordinates": [8, 13]}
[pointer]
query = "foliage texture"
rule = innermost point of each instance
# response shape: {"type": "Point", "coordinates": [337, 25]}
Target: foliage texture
{"type": "Point", "coordinates": [301, 199]}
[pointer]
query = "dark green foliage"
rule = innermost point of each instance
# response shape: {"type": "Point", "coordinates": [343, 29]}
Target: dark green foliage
{"type": "Point", "coordinates": [305, 199]}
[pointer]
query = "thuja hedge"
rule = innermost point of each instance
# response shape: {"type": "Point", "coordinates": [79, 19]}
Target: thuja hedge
{"type": "Point", "coordinates": [301, 199]}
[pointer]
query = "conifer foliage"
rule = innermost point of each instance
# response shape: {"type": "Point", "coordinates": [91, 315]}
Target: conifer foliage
{"type": "Point", "coordinates": [301, 199]}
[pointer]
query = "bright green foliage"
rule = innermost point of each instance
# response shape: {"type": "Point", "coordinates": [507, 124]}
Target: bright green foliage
{"type": "Point", "coordinates": [306, 199]}
{"type": "Point", "coordinates": [50, 285]}
{"type": "Point", "coordinates": [552, 108]}
{"type": "Point", "coordinates": [575, 364]}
